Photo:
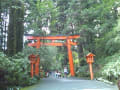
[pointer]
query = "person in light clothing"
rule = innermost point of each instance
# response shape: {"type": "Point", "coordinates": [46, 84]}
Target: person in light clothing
{"type": "Point", "coordinates": [65, 71]}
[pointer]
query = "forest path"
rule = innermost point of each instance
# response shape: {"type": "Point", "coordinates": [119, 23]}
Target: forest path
{"type": "Point", "coordinates": [52, 83]}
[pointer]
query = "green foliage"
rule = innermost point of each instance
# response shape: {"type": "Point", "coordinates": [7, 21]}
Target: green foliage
{"type": "Point", "coordinates": [110, 41]}
{"type": "Point", "coordinates": [17, 70]}
{"type": "Point", "coordinates": [60, 59]}
{"type": "Point", "coordinates": [109, 62]}
{"type": "Point", "coordinates": [111, 68]}
{"type": "Point", "coordinates": [83, 71]}
{"type": "Point", "coordinates": [41, 15]}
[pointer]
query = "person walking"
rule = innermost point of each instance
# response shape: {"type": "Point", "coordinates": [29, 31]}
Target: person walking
{"type": "Point", "coordinates": [56, 73]}
{"type": "Point", "coordinates": [65, 71]}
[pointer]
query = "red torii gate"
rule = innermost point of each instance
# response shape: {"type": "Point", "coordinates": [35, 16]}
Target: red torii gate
{"type": "Point", "coordinates": [68, 43]}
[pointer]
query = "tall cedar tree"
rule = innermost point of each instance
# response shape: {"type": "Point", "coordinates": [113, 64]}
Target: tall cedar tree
{"type": "Point", "coordinates": [0, 26]}
{"type": "Point", "coordinates": [15, 28]}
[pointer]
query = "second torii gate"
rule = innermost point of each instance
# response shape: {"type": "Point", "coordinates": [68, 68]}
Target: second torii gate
{"type": "Point", "coordinates": [68, 43]}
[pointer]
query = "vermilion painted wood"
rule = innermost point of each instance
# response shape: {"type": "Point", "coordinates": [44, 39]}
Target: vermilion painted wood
{"type": "Point", "coordinates": [34, 61]}
{"type": "Point", "coordinates": [32, 70]}
{"type": "Point", "coordinates": [91, 71]}
{"type": "Point", "coordinates": [32, 44]}
{"type": "Point", "coordinates": [37, 66]}
{"type": "Point", "coordinates": [90, 60]}
{"type": "Point", "coordinates": [51, 44]}
{"type": "Point", "coordinates": [53, 37]}
{"type": "Point", "coordinates": [70, 58]}
{"type": "Point", "coordinates": [68, 43]}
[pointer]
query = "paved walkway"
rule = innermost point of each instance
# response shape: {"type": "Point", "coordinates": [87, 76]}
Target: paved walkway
{"type": "Point", "coordinates": [70, 84]}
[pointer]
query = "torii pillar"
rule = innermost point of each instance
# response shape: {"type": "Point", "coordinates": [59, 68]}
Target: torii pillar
{"type": "Point", "coordinates": [71, 64]}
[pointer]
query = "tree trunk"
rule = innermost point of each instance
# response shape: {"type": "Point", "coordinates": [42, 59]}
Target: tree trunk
{"type": "Point", "coordinates": [81, 54]}
{"type": "Point", "coordinates": [0, 27]}
{"type": "Point", "coordinates": [15, 28]}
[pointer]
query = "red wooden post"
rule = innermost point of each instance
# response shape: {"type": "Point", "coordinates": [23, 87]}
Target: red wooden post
{"type": "Point", "coordinates": [32, 61]}
{"type": "Point", "coordinates": [90, 60]}
{"type": "Point", "coordinates": [37, 66]}
{"type": "Point", "coordinates": [70, 58]}
{"type": "Point", "coordinates": [91, 71]}
{"type": "Point", "coordinates": [32, 70]}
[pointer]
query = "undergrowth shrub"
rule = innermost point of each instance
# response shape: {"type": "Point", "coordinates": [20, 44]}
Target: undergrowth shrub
{"type": "Point", "coordinates": [83, 71]}
{"type": "Point", "coordinates": [111, 68]}
{"type": "Point", "coordinates": [16, 70]}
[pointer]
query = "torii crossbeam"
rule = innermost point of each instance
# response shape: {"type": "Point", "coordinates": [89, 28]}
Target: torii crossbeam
{"type": "Point", "coordinates": [68, 43]}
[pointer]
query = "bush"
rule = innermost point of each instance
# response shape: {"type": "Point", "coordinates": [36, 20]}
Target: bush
{"type": "Point", "coordinates": [111, 69]}
{"type": "Point", "coordinates": [83, 71]}
{"type": "Point", "coordinates": [16, 70]}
